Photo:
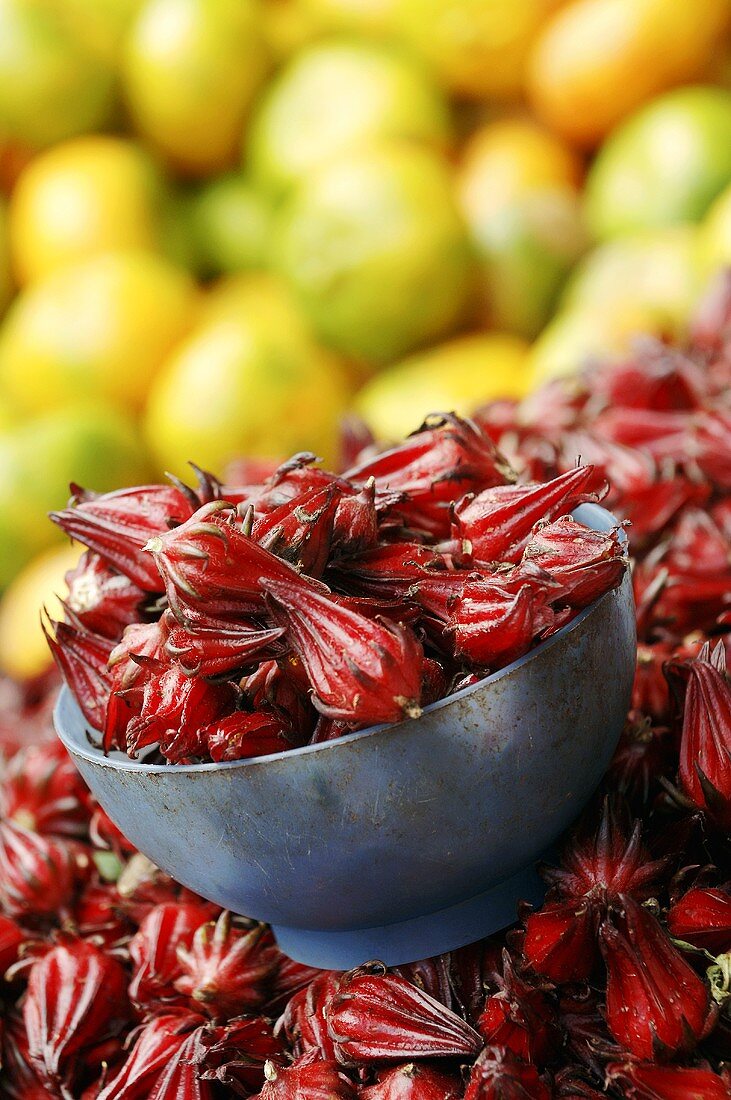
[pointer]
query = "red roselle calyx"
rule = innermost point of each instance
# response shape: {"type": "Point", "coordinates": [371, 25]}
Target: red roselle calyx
{"type": "Point", "coordinates": [304, 1022]}
{"type": "Point", "coordinates": [657, 1006]}
{"type": "Point", "coordinates": [376, 1016]}
{"type": "Point", "coordinates": [39, 875]}
{"type": "Point", "coordinates": [42, 790]}
{"type": "Point", "coordinates": [11, 937]}
{"type": "Point", "coordinates": [500, 1075]}
{"type": "Point", "coordinates": [216, 649]}
{"type": "Point", "coordinates": [102, 599]}
{"type": "Point", "coordinates": [649, 1081]}
{"type": "Point", "coordinates": [560, 940]}
{"type": "Point", "coordinates": [241, 735]}
{"type": "Point", "coordinates": [82, 658]}
{"type": "Point", "coordinates": [154, 951]}
{"type": "Point", "coordinates": [363, 671]}
{"type": "Point", "coordinates": [518, 1018]}
{"type": "Point", "coordinates": [705, 747]}
{"type": "Point", "coordinates": [226, 969]}
{"type": "Point", "coordinates": [413, 1081]}
{"type": "Point", "coordinates": [586, 563]}
{"type": "Point", "coordinates": [151, 1048]}
{"type": "Point", "coordinates": [306, 1079]}
{"type": "Point", "coordinates": [702, 917]}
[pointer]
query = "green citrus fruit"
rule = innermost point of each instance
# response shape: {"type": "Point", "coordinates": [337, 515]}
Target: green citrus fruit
{"type": "Point", "coordinates": [230, 222]}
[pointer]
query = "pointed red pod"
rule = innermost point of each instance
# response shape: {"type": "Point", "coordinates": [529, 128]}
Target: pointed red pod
{"type": "Point", "coordinates": [97, 916]}
{"type": "Point", "coordinates": [381, 1017]}
{"type": "Point", "coordinates": [498, 521]}
{"type": "Point", "coordinates": [242, 735]}
{"type": "Point", "coordinates": [560, 941]}
{"type": "Point", "coordinates": [413, 1081]}
{"type": "Point", "coordinates": [606, 859]}
{"type": "Point", "coordinates": [492, 626]}
{"type": "Point", "coordinates": [662, 378]}
{"type": "Point", "coordinates": [501, 1075]}
{"type": "Point", "coordinates": [649, 1081]}
{"type": "Point", "coordinates": [220, 648]}
{"type": "Point", "coordinates": [572, 1083]}
{"type": "Point", "coordinates": [118, 525]}
{"type": "Point", "coordinates": [431, 975]}
{"type": "Point", "coordinates": [657, 1006]}
{"type": "Point", "coordinates": [586, 563]}
{"type": "Point", "coordinates": [355, 527]}
{"type": "Point", "coordinates": [705, 746]}
{"type": "Point", "coordinates": [227, 968]}
{"type": "Point", "coordinates": [102, 599]}
{"type": "Point", "coordinates": [306, 1079]}
{"type": "Point", "coordinates": [154, 952]}
{"type": "Point", "coordinates": [19, 1079]}
{"type": "Point", "coordinates": [702, 917]}
{"type": "Point", "coordinates": [11, 937]}
{"type": "Point", "coordinates": [181, 1077]}
{"type": "Point", "coordinates": [39, 875]}
{"type": "Point", "coordinates": [304, 1022]}
{"type": "Point", "coordinates": [151, 1048]}
{"type": "Point", "coordinates": [289, 978]}
{"type": "Point", "coordinates": [446, 458]}
{"type": "Point", "coordinates": [389, 571]}
{"type": "Point", "coordinates": [76, 999]}
{"type": "Point", "coordinates": [518, 1018]}
{"type": "Point", "coordinates": [237, 1052]}
{"type": "Point", "coordinates": [42, 790]}
{"type": "Point", "coordinates": [360, 670]}
{"type": "Point", "coordinates": [282, 686]}
{"type": "Point", "coordinates": [81, 657]}
{"type": "Point", "coordinates": [301, 532]}
{"type": "Point", "coordinates": [211, 568]}
{"type": "Point", "coordinates": [167, 708]}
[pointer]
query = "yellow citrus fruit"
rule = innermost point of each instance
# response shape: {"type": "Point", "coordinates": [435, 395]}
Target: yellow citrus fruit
{"type": "Point", "coordinates": [662, 166]}
{"type": "Point", "coordinates": [229, 223]}
{"type": "Point", "coordinates": [248, 381]}
{"type": "Point", "coordinates": [190, 71]}
{"type": "Point", "coordinates": [477, 48]}
{"type": "Point", "coordinates": [714, 235]}
{"type": "Point", "coordinates": [332, 99]}
{"type": "Point", "coordinates": [504, 159]}
{"type": "Point", "coordinates": [287, 27]}
{"type": "Point", "coordinates": [597, 60]}
{"type": "Point", "coordinates": [24, 652]}
{"type": "Point", "coordinates": [457, 376]}
{"type": "Point", "coordinates": [6, 279]}
{"type": "Point", "coordinates": [91, 443]}
{"type": "Point", "coordinates": [52, 85]}
{"type": "Point", "coordinates": [376, 252]}
{"type": "Point", "coordinates": [357, 17]}
{"type": "Point", "coordinates": [88, 195]}
{"type": "Point", "coordinates": [100, 328]}
{"type": "Point", "coordinates": [100, 24]}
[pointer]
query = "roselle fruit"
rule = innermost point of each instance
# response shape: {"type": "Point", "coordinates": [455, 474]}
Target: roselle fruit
{"type": "Point", "coordinates": [378, 1017]}
{"type": "Point", "coordinates": [216, 649]}
{"type": "Point", "coordinates": [361, 671]}
{"type": "Point", "coordinates": [82, 658]}
{"type": "Point", "coordinates": [181, 1077]}
{"type": "Point", "coordinates": [102, 599]}
{"type": "Point", "coordinates": [560, 940]}
{"type": "Point", "coordinates": [301, 534]}
{"type": "Point", "coordinates": [76, 999]}
{"type": "Point", "coordinates": [491, 626]}
{"type": "Point", "coordinates": [236, 1052]}
{"type": "Point", "coordinates": [41, 790]}
{"type": "Point", "coordinates": [501, 1075]}
{"type": "Point", "coordinates": [11, 937]}
{"type": "Point", "coordinates": [657, 1006]}
{"type": "Point", "coordinates": [241, 735]}
{"type": "Point", "coordinates": [226, 969]}
{"type": "Point", "coordinates": [702, 916]}
{"type": "Point", "coordinates": [304, 1019]}
{"type": "Point", "coordinates": [39, 875]}
{"type": "Point", "coordinates": [518, 1017]}
{"type": "Point", "coordinates": [649, 1081]}
{"type": "Point", "coordinates": [154, 952]}
{"type": "Point", "coordinates": [587, 563]}
{"type": "Point", "coordinates": [413, 1081]}
{"type": "Point", "coordinates": [151, 1047]}
{"type": "Point", "coordinates": [306, 1079]}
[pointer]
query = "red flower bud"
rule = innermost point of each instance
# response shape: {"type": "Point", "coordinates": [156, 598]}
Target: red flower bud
{"type": "Point", "coordinates": [356, 521]}
{"type": "Point", "coordinates": [118, 525]}
{"type": "Point", "coordinates": [390, 570]}
{"type": "Point", "coordinates": [220, 648]}
{"type": "Point", "coordinates": [300, 532]}
{"type": "Point", "coordinates": [413, 1082]}
{"type": "Point", "coordinates": [154, 952]}
{"type": "Point", "coordinates": [560, 941]}
{"type": "Point", "coordinates": [306, 1079]}
{"type": "Point", "coordinates": [587, 563]}
{"type": "Point", "coordinates": [661, 378]}
{"type": "Point", "coordinates": [705, 747]}
{"type": "Point", "coordinates": [181, 1078]}
{"type": "Point", "coordinates": [151, 1050]}
{"type": "Point", "coordinates": [226, 968]}
{"type": "Point", "coordinates": [493, 626]}
{"type": "Point", "coordinates": [100, 598]}
{"type": "Point", "coordinates": [39, 875]}
{"type": "Point", "coordinates": [42, 790]}
{"type": "Point", "coordinates": [303, 1021]}
{"type": "Point", "coordinates": [241, 735]}
{"type": "Point", "coordinates": [76, 999]}
{"type": "Point", "coordinates": [498, 521]}
{"type": "Point", "coordinates": [500, 1075]}
{"type": "Point", "coordinates": [360, 670]}
{"type": "Point", "coordinates": [648, 1081]}
{"type": "Point", "coordinates": [657, 1006]}
{"type": "Point", "coordinates": [379, 1017]}
{"type": "Point", "coordinates": [82, 659]}
{"type": "Point", "coordinates": [702, 917]}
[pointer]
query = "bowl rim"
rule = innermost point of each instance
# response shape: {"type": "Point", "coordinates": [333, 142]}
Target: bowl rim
{"type": "Point", "coordinates": [120, 762]}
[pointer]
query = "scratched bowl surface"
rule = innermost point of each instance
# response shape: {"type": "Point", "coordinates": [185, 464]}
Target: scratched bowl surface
{"type": "Point", "coordinates": [383, 843]}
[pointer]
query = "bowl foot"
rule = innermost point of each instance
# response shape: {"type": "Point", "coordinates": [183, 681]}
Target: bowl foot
{"type": "Point", "coordinates": [420, 937]}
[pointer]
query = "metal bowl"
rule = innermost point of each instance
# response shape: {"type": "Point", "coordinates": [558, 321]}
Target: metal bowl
{"type": "Point", "coordinates": [402, 841]}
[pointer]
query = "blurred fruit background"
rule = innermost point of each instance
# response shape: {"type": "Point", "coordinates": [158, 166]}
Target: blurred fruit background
{"type": "Point", "coordinates": [226, 224]}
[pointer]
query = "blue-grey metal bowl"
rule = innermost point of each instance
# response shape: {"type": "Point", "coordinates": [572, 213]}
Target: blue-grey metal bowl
{"type": "Point", "coordinates": [401, 841]}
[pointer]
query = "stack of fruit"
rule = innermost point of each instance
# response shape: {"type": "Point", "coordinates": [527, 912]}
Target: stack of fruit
{"type": "Point", "coordinates": [226, 222]}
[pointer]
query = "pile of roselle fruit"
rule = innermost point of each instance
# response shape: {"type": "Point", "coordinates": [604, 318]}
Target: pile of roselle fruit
{"type": "Point", "coordinates": [228, 622]}
{"type": "Point", "coordinates": [121, 984]}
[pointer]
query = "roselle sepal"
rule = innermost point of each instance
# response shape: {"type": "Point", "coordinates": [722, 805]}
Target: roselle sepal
{"type": "Point", "coordinates": [500, 1075]}
{"type": "Point", "coordinates": [518, 1017]}
{"type": "Point", "coordinates": [39, 875]}
{"type": "Point", "coordinates": [560, 941]}
{"type": "Point", "coordinates": [360, 670]}
{"type": "Point", "coordinates": [42, 790]}
{"type": "Point", "coordinates": [643, 756]}
{"type": "Point", "coordinates": [304, 1018]}
{"type": "Point", "coordinates": [497, 522]}
{"type": "Point", "coordinates": [118, 525]}
{"type": "Point", "coordinates": [154, 952]}
{"type": "Point", "coordinates": [492, 626]}
{"type": "Point", "coordinates": [227, 968]}
{"type": "Point", "coordinates": [705, 746]}
{"type": "Point", "coordinates": [220, 648]}
{"type": "Point", "coordinates": [413, 1081]}
{"type": "Point", "coordinates": [81, 657]}
{"type": "Point", "coordinates": [76, 999]}
{"type": "Point", "coordinates": [102, 599]}
{"type": "Point", "coordinates": [585, 562]}
{"type": "Point", "coordinates": [301, 532]}
{"type": "Point", "coordinates": [11, 938]}
{"type": "Point", "coordinates": [657, 1006]}
{"type": "Point", "coordinates": [181, 1077]}
{"type": "Point", "coordinates": [237, 1051]}
{"type": "Point", "coordinates": [242, 735]}
{"type": "Point", "coordinates": [151, 1047]}
{"type": "Point", "coordinates": [660, 378]}
{"type": "Point", "coordinates": [431, 975]}
{"type": "Point", "coordinates": [650, 1081]}
{"type": "Point", "coordinates": [309, 1078]}
{"type": "Point", "coordinates": [573, 1083]}
{"type": "Point", "coordinates": [702, 916]}
{"type": "Point", "coordinates": [379, 1017]}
